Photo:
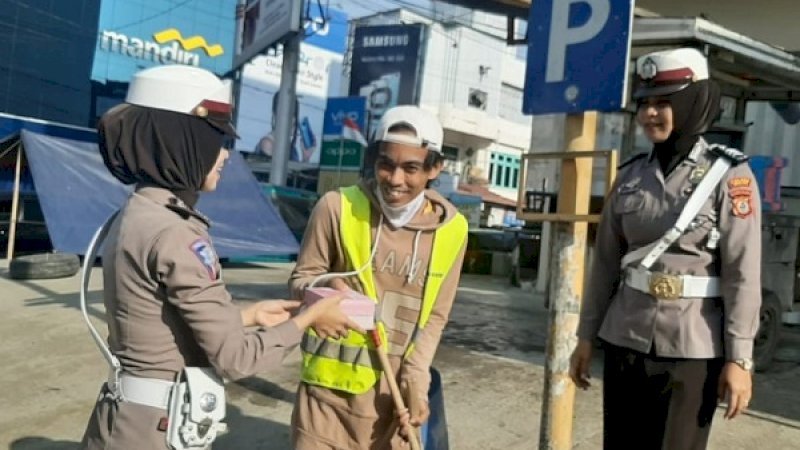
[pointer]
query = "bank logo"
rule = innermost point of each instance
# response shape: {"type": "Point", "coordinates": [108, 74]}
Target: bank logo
{"type": "Point", "coordinates": [190, 43]}
{"type": "Point", "coordinates": [179, 52]}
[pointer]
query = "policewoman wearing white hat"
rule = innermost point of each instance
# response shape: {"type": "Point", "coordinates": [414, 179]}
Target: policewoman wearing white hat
{"type": "Point", "coordinates": [675, 286]}
{"type": "Point", "coordinates": [402, 245]}
{"type": "Point", "coordinates": [173, 331]}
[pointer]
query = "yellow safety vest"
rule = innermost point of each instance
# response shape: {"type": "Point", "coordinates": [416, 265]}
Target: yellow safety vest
{"type": "Point", "coordinates": [350, 364]}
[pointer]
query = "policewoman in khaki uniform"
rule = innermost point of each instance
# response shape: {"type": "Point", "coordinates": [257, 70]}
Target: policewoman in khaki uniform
{"type": "Point", "coordinates": [675, 285]}
{"type": "Point", "coordinates": [167, 307]}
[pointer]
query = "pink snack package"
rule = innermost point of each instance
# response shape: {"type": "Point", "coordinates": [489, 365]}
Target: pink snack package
{"type": "Point", "coordinates": [357, 306]}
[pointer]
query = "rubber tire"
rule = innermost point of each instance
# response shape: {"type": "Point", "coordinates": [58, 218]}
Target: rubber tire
{"type": "Point", "coordinates": [44, 266]}
{"type": "Point", "coordinates": [769, 332]}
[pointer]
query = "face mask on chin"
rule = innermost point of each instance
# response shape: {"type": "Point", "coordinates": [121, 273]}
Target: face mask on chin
{"type": "Point", "coordinates": [400, 216]}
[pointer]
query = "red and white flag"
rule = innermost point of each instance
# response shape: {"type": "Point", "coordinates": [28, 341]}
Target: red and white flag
{"type": "Point", "coordinates": [350, 131]}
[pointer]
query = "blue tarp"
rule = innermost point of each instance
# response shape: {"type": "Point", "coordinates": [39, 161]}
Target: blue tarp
{"type": "Point", "coordinates": [77, 193]}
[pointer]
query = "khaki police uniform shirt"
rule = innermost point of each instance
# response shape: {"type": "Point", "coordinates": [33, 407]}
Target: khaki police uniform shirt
{"type": "Point", "coordinates": [642, 206]}
{"type": "Point", "coordinates": [166, 302]}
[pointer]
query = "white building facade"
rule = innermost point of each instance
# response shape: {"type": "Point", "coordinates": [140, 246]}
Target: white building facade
{"type": "Point", "coordinates": [473, 80]}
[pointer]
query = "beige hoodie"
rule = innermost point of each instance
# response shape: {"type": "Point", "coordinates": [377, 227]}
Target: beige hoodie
{"type": "Point", "coordinates": [329, 419]}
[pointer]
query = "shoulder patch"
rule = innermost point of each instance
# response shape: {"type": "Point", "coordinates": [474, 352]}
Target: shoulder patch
{"type": "Point", "coordinates": [630, 160]}
{"type": "Point", "coordinates": [734, 155]}
{"type": "Point", "coordinates": [203, 250]}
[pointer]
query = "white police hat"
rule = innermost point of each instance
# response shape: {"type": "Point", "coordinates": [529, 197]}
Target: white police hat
{"type": "Point", "coordinates": [426, 126]}
{"type": "Point", "coordinates": [669, 71]}
{"type": "Point", "coordinates": [184, 89]}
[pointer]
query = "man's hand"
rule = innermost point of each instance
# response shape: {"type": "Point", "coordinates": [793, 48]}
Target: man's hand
{"type": "Point", "coordinates": [268, 313]}
{"type": "Point", "coordinates": [580, 364]}
{"type": "Point", "coordinates": [735, 387]}
{"type": "Point", "coordinates": [418, 411]}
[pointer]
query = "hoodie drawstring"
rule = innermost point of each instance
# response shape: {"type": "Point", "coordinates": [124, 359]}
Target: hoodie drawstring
{"type": "Point", "coordinates": [412, 271]}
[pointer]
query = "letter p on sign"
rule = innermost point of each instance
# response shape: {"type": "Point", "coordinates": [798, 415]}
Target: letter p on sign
{"type": "Point", "coordinates": [577, 55]}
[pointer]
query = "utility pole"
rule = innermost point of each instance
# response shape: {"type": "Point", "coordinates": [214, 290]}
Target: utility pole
{"type": "Point", "coordinates": [566, 284]}
{"type": "Point", "coordinates": [285, 121]}
{"type": "Point", "coordinates": [237, 74]}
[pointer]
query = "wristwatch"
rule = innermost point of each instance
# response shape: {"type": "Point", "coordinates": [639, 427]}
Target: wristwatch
{"type": "Point", "coordinates": [744, 363]}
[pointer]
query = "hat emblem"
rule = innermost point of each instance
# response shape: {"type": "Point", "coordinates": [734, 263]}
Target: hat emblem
{"type": "Point", "coordinates": [201, 111]}
{"type": "Point", "coordinates": [649, 69]}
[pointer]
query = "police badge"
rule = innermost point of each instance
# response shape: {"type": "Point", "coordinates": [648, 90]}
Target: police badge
{"type": "Point", "coordinates": [697, 174]}
{"type": "Point", "coordinates": [742, 206]}
{"type": "Point", "coordinates": [649, 70]}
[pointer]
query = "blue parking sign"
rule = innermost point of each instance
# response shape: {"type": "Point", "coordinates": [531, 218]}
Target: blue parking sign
{"type": "Point", "coordinates": [577, 55]}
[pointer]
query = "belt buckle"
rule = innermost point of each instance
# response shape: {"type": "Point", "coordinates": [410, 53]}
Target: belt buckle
{"type": "Point", "coordinates": [666, 287]}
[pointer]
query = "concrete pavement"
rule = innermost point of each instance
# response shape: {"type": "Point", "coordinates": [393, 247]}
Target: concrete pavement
{"type": "Point", "coordinates": [491, 362]}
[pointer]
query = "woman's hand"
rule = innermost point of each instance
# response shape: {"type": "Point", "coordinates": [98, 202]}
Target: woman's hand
{"type": "Point", "coordinates": [268, 313]}
{"type": "Point", "coordinates": [327, 319]}
{"type": "Point", "coordinates": [735, 387]}
{"type": "Point", "coordinates": [580, 364]}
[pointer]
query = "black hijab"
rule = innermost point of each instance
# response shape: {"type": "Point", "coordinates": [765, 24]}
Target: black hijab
{"type": "Point", "coordinates": [167, 149]}
{"type": "Point", "coordinates": [694, 110]}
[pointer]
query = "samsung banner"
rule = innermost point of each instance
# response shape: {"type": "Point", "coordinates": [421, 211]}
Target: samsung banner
{"type": "Point", "coordinates": [385, 67]}
{"type": "Point", "coordinates": [319, 76]}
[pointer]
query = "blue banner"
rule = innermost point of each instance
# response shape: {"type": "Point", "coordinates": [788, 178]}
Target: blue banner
{"type": "Point", "coordinates": [339, 108]}
{"type": "Point", "coordinates": [328, 31]}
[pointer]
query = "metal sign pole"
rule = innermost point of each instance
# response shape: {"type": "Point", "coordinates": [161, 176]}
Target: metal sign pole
{"type": "Point", "coordinates": [566, 286]}
{"type": "Point", "coordinates": [339, 166]}
{"type": "Point", "coordinates": [286, 114]}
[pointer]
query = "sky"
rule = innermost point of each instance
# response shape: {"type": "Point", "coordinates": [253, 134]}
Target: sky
{"type": "Point", "coordinates": [358, 8]}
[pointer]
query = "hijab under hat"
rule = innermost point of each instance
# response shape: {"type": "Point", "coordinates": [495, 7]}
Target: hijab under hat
{"type": "Point", "coordinates": [694, 110]}
{"type": "Point", "coordinates": [149, 146]}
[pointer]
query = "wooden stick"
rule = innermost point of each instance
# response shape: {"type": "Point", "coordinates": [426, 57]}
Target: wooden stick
{"type": "Point", "coordinates": [12, 225]}
{"type": "Point", "coordinates": [399, 404]}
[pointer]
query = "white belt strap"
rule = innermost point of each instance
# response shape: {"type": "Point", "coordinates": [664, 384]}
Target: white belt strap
{"type": "Point", "coordinates": [651, 252]}
{"type": "Point", "coordinates": [144, 391]}
{"type": "Point", "coordinates": [672, 287]}
{"type": "Point", "coordinates": [86, 273]}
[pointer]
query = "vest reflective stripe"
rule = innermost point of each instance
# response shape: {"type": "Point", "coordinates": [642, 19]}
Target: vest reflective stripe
{"type": "Point", "coordinates": [328, 348]}
{"type": "Point", "coordinates": [350, 364]}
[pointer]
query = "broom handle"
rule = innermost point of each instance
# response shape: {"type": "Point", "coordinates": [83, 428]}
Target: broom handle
{"type": "Point", "coordinates": [395, 390]}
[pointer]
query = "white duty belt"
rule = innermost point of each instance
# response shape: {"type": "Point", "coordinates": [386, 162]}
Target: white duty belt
{"type": "Point", "coordinates": [667, 286]}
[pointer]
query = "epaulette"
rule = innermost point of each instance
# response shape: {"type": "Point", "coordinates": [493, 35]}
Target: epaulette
{"type": "Point", "coordinates": [180, 210]}
{"type": "Point", "coordinates": [177, 206]}
{"type": "Point", "coordinates": [734, 155]}
{"type": "Point", "coordinates": [631, 159]}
